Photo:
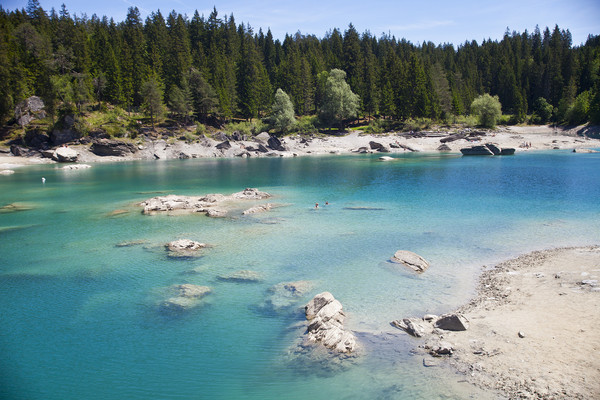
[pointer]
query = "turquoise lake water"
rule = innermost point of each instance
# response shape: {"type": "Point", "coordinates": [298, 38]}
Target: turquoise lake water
{"type": "Point", "coordinates": [80, 316]}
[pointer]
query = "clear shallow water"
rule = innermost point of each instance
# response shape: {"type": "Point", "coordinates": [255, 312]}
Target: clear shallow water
{"type": "Point", "coordinates": [80, 317]}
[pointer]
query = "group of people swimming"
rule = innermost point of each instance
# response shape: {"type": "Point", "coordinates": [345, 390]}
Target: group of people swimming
{"type": "Point", "coordinates": [317, 204]}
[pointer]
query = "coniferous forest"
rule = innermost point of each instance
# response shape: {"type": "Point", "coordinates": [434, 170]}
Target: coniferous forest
{"type": "Point", "coordinates": [210, 68]}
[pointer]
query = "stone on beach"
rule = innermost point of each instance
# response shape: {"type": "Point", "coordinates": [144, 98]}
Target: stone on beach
{"type": "Point", "coordinates": [65, 154]}
{"type": "Point", "coordinates": [410, 260]}
{"type": "Point", "coordinates": [326, 324]}
{"type": "Point", "coordinates": [452, 322]}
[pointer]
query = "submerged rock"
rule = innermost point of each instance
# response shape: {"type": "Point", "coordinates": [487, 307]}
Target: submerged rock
{"type": "Point", "coordinates": [326, 324]}
{"type": "Point", "coordinates": [410, 260]}
{"type": "Point", "coordinates": [7, 172]}
{"type": "Point", "coordinates": [258, 209]}
{"type": "Point", "coordinates": [77, 166]}
{"type": "Point", "coordinates": [242, 276]}
{"type": "Point", "coordinates": [186, 296]}
{"type": "Point", "coordinates": [286, 294]}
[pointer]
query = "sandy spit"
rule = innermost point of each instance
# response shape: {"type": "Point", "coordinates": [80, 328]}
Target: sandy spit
{"type": "Point", "coordinates": [533, 330]}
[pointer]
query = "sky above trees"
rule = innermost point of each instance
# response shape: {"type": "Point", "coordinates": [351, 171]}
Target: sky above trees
{"type": "Point", "coordinates": [438, 21]}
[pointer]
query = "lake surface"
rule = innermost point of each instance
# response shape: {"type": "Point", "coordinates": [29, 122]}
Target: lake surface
{"type": "Point", "coordinates": [80, 316]}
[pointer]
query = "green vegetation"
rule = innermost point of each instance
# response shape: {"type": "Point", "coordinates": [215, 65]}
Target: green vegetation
{"type": "Point", "coordinates": [487, 109]}
{"type": "Point", "coordinates": [211, 70]}
{"type": "Point", "coordinates": [282, 112]}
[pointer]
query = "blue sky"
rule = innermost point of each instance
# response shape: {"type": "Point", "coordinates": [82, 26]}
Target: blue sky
{"type": "Point", "coordinates": [430, 20]}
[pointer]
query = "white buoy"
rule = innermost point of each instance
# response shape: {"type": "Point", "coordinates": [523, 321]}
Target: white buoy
{"type": "Point", "coordinates": [43, 180]}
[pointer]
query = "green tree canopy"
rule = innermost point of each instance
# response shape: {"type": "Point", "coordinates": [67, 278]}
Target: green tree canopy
{"type": "Point", "coordinates": [152, 98]}
{"type": "Point", "coordinates": [282, 112]}
{"type": "Point", "coordinates": [339, 102]}
{"type": "Point", "coordinates": [487, 109]}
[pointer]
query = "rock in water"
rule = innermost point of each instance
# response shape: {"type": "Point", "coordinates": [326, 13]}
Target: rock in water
{"type": "Point", "coordinates": [184, 248]}
{"type": "Point", "coordinates": [286, 294]}
{"type": "Point", "coordinates": [326, 324]}
{"type": "Point", "coordinates": [413, 326]}
{"type": "Point", "coordinates": [410, 260]}
{"type": "Point", "coordinates": [186, 296]}
{"type": "Point", "coordinates": [242, 276]}
{"type": "Point", "coordinates": [452, 322]}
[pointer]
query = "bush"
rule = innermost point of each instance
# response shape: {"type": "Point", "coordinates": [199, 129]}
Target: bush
{"type": "Point", "coordinates": [542, 111]}
{"type": "Point", "coordinates": [487, 109]}
{"type": "Point", "coordinates": [201, 129]}
{"type": "Point", "coordinates": [306, 124]}
{"type": "Point", "coordinates": [578, 113]}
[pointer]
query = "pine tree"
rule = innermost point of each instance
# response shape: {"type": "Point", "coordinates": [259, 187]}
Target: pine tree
{"type": "Point", "coordinates": [152, 95]}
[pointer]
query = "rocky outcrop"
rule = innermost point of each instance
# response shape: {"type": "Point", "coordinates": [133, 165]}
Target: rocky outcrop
{"type": "Point", "coordinates": [224, 145]}
{"type": "Point", "coordinates": [29, 109]}
{"type": "Point", "coordinates": [184, 248]}
{"type": "Point", "coordinates": [185, 297]}
{"type": "Point", "coordinates": [36, 139]}
{"type": "Point", "coordinates": [65, 154]}
{"type": "Point", "coordinates": [410, 260]}
{"type": "Point", "coordinates": [212, 205]}
{"type": "Point", "coordinates": [584, 151]}
{"type": "Point", "coordinates": [489, 149]}
{"type": "Point", "coordinates": [326, 324]}
{"type": "Point", "coordinates": [109, 147]}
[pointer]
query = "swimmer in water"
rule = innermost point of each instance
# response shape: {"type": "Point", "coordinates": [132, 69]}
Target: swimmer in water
{"type": "Point", "coordinates": [316, 205]}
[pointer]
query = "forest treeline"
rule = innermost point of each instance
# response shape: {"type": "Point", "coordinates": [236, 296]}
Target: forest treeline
{"type": "Point", "coordinates": [213, 67]}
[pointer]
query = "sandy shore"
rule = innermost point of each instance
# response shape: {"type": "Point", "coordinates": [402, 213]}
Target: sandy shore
{"type": "Point", "coordinates": [521, 138]}
{"type": "Point", "coordinates": [534, 327]}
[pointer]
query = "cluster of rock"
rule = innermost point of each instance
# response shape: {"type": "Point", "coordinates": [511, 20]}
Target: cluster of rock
{"type": "Point", "coordinates": [185, 297]}
{"type": "Point", "coordinates": [326, 324]}
{"type": "Point", "coordinates": [488, 149]}
{"type": "Point", "coordinates": [410, 260]}
{"type": "Point", "coordinates": [430, 324]}
{"type": "Point", "coordinates": [211, 205]}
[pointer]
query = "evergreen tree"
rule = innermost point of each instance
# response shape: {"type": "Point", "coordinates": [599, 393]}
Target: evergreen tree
{"type": "Point", "coordinates": [152, 95]}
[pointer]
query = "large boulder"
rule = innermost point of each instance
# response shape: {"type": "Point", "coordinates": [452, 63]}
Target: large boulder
{"type": "Point", "coordinates": [109, 147]}
{"type": "Point", "coordinates": [476, 151]}
{"type": "Point", "coordinates": [452, 322]}
{"type": "Point", "coordinates": [495, 149]}
{"type": "Point", "coordinates": [62, 136]}
{"type": "Point", "coordinates": [410, 260]}
{"type": "Point", "coordinates": [258, 209]}
{"type": "Point", "coordinates": [65, 154]}
{"type": "Point", "coordinates": [251, 194]}
{"type": "Point", "coordinates": [326, 324]}
{"type": "Point", "coordinates": [29, 109]}
{"type": "Point", "coordinates": [379, 147]}
{"type": "Point", "coordinates": [275, 144]}
{"type": "Point", "coordinates": [224, 145]}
